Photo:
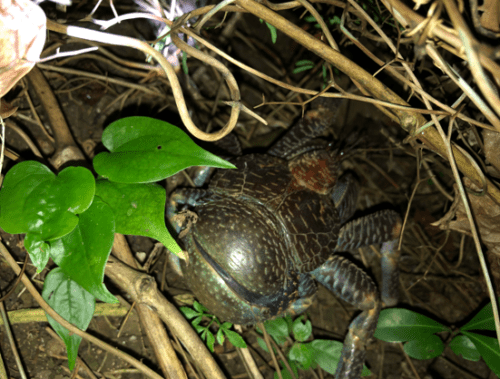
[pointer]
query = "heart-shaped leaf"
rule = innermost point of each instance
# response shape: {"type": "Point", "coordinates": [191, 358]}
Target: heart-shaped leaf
{"type": "Point", "coordinates": [18, 184]}
{"type": "Point", "coordinates": [52, 209]}
{"type": "Point", "coordinates": [45, 207]}
{"type": "Point", "coordinates": [146, 150]}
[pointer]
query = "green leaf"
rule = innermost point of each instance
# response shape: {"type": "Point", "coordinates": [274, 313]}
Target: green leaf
{"type": "Point", "coordinates": [53, 208]}
{"type": "Point", "coordinates": [45, 207]}
{"type": "Point", "coordinates": [184, 63]}
{"type": "Point", "coordinates": [72, 303]}
{"type": "Point", "coordinates": [366, 371]}
{"type": "Point", "coordinates": [335, 20]}
{"type": "Point", "coordinates": [139, 210]}
{"type": "Point", "coordinates": [489, 350]}
{"type": "Point", "coordinates": [285, 374]}
{"type": "Point", "coordinates": [197, 320]}
{"type": "Point", "coordinates": [188, 312]}
{"type": "Point", "coordinates": [226, 325]}
{"type": "Point", "coordinates": [43, 203]}
{"type": "Point", "coordinates": [426, 347]}
{"type": "Point", "coordinates": [301, 331]}
{"type": "Point", "coordinates": [326, 354]}
{"type": "Point", "coordinates": [289, 322]}
{"type": "Point", "coordinates": [278, 329]}
{"type": "Point", "coordinates": [83, 253]}
{"type": "Point", "coordinates": [220, 337]}
{"type": "Point", "coordinates": [302, 354]}
{"type": "Point", "coordinates": [210, 340]}
{"type": "Point", "coordinates": [199, 329]}
{"type": "Point", "coordinates": [274, 32]}
{"type": "Point", "coordinates": [304, 62]}
{"type": "Point", "coordinates": [262, 344]}
{"type": "Point", "coordinates": [145, 150]}
{"type": "Point", "coordinates": [462, 345]}
{"type": "Point", "coordinates": [399, 325]}
{"type": "Point", "coordinates": [38, 249]}
{"type": "Point", "coordinates": [272, 29]}
{"type": "Point", "coordinates": [483, 319]}
{"type": "Point", "coordinates": [235, 339]}
{"type": "Point", "coordinates": [19, 183]}
{"type": "Point", "coordinates": [200, 307]}
{"type": "Point", "coordinates": [300, 69]}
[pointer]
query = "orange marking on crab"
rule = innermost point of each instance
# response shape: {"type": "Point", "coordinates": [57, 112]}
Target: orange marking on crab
{"type": "Point", "coordinates": [318, 175]}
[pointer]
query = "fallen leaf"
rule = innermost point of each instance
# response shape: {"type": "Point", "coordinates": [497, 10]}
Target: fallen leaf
{"type": "Point", "coordinates": [6, 109]}
{"type": "Point", "coordinates": [22, 37]}
{"type": "Point", "coordinates": [490, 19]}
{"type": "Point", "coordinates": [491, 151]}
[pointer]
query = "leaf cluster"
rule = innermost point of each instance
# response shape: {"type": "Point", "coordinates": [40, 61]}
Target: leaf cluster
{"type": "Point", "coordinates": [72, 217]}
{"type": "Point", "coordinates": [301, 354]}
{"type": "Point", "coordinates": [198, 313]}
{"type": "Point", "coordinates": [421, 342]}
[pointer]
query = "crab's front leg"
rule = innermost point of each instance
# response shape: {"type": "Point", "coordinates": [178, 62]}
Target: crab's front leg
{"type": "Point", "coordinates": [191, 197]}
{"type": "Point", "coordinates": [181, 221]}
{"type": "Point", "coordinates": [353, 285]}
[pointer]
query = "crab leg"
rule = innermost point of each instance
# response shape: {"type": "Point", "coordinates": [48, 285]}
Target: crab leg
{"type": "Point", "coordinates": [345, 196]}
{"type": "Point", "coordinates": [381, 227]}
{"type": "Point", "coordinates": [350, 283]}
{"type": "Point", "coordinates": [186, 196]}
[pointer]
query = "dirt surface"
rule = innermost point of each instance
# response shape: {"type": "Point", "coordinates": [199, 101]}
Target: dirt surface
{"type": "Point", "coordinates": [438, 277]}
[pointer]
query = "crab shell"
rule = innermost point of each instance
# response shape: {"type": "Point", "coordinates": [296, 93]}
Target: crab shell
{"type": "Point", "coordinates": [260, 230]}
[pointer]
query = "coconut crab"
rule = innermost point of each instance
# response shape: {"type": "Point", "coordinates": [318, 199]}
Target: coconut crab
{"type": "Point", "coordinates": [265, 232]}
